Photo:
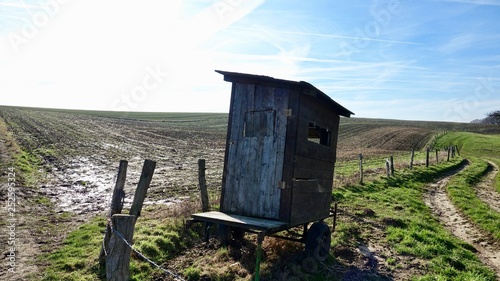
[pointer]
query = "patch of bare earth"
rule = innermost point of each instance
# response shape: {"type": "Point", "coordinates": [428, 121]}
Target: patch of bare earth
{"type": "Point", "coordinates": [373, 258]}
{"type": "Point", "coordinates": [437, 199]}
{"type": "Point", "coordinates": [18, 246]}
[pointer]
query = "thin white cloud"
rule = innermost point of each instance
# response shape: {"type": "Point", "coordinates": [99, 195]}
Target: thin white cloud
{"type": "Point", "coordinates": [477, 2]}
{"type": "Point", "coordinates": [366, 38]}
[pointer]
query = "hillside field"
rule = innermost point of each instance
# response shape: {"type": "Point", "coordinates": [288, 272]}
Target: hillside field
{"type": "Point", "coordinates": [388, 228]}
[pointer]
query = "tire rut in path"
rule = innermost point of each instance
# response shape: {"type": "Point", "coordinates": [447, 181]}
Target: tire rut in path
{"type": "Point", "coordinates": [485, 190]}
{"type": "Point", "coordinates": [454, 221]}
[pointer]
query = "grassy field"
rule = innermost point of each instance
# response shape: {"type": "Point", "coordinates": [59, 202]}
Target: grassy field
{"type": "Point", "coordinates": [388, 216]}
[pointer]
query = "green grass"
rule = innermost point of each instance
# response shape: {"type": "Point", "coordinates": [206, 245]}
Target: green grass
{"type": "Point", "coordinates": [460, 188]}
{"type": "Point", "coordinates": [77, 259]}
{"type": "Point", "coordinates": [497, 178]}
{"type": "Point", "coordinates": [472, 144]}
{"type": "Point", "coordinates": [159, 239]}
{"type": "Point", "coordinates": [27, 167]}
{"type": "Point", "coordinates": [375, 164]}
{"type": "Point", "coordinates": [478, 148]}
{"type": "Point", "coordinates": [409, 227]}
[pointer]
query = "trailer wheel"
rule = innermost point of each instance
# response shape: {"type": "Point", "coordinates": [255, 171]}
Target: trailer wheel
{"type": "Point", "coordinates": [318, 241]}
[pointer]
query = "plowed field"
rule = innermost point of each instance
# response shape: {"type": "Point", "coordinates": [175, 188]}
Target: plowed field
{"type": "Point", "coordinates": [76, 155]}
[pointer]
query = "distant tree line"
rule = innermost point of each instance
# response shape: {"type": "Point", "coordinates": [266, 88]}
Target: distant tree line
{"type": "Point", "coordinates": [491, 118]}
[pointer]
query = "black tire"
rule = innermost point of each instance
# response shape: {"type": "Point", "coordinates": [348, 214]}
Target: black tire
{"type": "Point", "coordinates": [318, 240]}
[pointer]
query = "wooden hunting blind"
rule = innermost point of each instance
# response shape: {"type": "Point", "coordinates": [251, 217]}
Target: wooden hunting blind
{"type": "Point", "coordinates": [280, 149]}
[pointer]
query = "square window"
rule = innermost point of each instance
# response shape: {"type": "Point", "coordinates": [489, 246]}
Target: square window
{"type": "Point", "coordinates": [319, 135]}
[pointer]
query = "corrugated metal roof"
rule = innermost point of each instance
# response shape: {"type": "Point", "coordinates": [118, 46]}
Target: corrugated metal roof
{"type": "Point", "coordinates": [262, 79]}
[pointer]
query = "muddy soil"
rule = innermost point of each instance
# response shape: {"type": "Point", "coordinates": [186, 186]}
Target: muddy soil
{"type": "Point", "coordinates": [80, 155]}
{"type": "Point", "coordinates": [488, 251]}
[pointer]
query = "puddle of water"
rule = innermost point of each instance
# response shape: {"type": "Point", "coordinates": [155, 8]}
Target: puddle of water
{"type": "Point", "coordinates": [85, 187]}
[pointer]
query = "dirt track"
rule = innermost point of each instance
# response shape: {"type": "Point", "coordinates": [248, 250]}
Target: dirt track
{"type": "Point", "coordinates": [437, 199]}
{"type": "Point", "coordinates": [485, 190]}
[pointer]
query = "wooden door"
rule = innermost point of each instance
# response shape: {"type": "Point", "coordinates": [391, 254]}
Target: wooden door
{"type": "Point", "coordinates": [255, 151]}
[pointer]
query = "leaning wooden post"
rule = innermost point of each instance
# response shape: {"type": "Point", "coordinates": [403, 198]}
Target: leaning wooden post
{"type": "Point", "coordinates": [427, 151]}
{"type": "Point", "coordinates": [458, 151]}
{"type": "Point", "coordinates": [142, 187]}
{"type": "Point", "coordinates": [360, 168]}
{"type": "Point", "coordinates": [116, 207]}
{"type": "Point", "coordinates": [118, 193]}
{"type": "Point", "coordinates": [205, 205]}
{"type": "Point", "coordinates": [392, 165]}
{"type": "Point", "coordinates": [411, 158]}
{"type": "Point", "coordinates": [118, 258]}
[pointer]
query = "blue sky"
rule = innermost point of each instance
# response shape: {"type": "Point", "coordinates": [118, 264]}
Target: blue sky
{"type": "Point", "coordinates": [415, 60]}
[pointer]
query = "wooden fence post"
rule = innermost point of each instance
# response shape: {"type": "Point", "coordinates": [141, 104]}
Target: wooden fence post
{"type": "Point", "coordinates": [205, 204]}
{"type": "Point", "coordinates": [388, 167]}
{"type": "Point", "coordinates": [427, 157]}
{"type": "Point", "coordinates": [118, 258]}
{"type": "Point", "coordinates": [360, 168]}
{"type": "Point", "coordinates": [449, 152]}
{"type": "Point", "coordinates": [437, 156]}
{"type": "Point", "coordinates": [116, 207]}
{"type": "Point", "coordinates": [452, 151]}
{"type": "Point", "coordinates": [458, 151]}
{"type": "Point", "coordinates": [118, 193]}
{"type": "Point", "coordinates": [142, 187]}
{"type": "Point", "coordinates": [411, 158]}
{"type": "Point", "coordinates": [392, 165]}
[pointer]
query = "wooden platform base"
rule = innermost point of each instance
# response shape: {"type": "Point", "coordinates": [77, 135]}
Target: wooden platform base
{"type": "Point", "coordinates": [240, 221]}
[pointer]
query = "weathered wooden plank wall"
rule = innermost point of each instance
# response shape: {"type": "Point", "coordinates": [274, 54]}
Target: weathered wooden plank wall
{"type": "Point", "coordinates": [254, 165]}
{"type": "Point", "coordinates": [314, 163]}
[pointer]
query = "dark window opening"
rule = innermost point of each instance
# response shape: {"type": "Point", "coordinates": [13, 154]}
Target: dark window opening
{"type": "Point", "coordinates": [319, 135]}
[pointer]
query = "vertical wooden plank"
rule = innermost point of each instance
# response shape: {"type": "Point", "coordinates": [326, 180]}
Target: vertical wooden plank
{"type": "Point", "coordinates": [242, 99]}
{"type": "Point", "coordinates": [292, 105]}
{"type": "Point", "coordinates": [226, 167]}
